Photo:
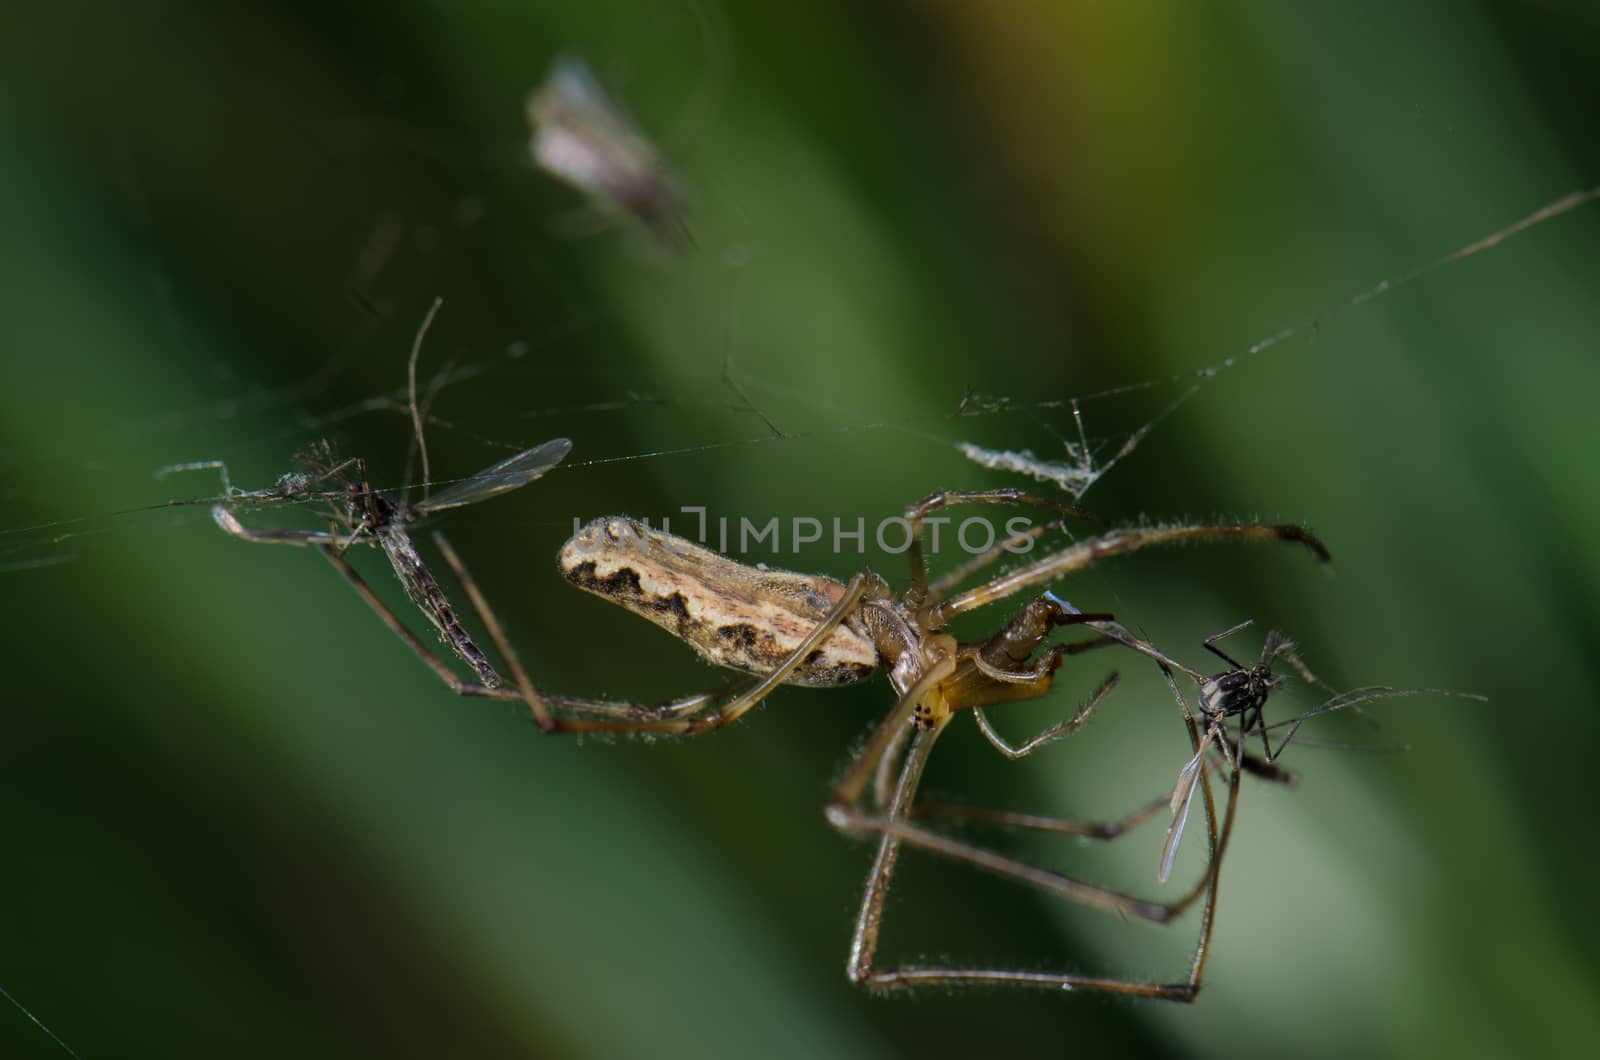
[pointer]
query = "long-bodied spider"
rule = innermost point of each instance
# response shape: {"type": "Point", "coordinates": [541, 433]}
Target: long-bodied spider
{"type": "Point", "coordinates": [784, 627]}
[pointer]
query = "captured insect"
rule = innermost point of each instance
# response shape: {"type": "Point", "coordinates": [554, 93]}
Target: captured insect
{"type": "Point", "coordinates": [581, 136]}
{"type": "Point", "coordinates": [811, 630]}
{"type": "Point", "coordinates": [370, 517]}
{"type": "Point", "coordinates": [1237, 693]}
{"type": "Point", "coordinates": [1241, 692]}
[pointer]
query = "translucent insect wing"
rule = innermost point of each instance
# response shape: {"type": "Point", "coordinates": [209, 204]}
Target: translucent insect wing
{"type": "Point", "coordinates": [512, 473]}
{"type": "Point", "coordinates": [1182, 800]}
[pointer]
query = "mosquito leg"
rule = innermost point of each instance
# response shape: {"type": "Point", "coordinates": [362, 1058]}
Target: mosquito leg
{"type": "Point", "coordinates": [1210, 644]}
{"type": "Point", "coordinates": [1266, 746]}
{"type": "Point", "coordinates": [1286, 650]}
{"type": "Point", "coordinates": [302, 538]}
{"type": "Point", "coordinates": [1264, 770]}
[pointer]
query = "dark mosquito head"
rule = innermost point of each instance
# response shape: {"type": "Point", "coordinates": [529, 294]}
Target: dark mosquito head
{"type": "Point", "coordinates": [368, 507]}
{"type": "Point", "coordinates": [363, 506]}
{"type": "Point", "coordinates": [1236, 692]}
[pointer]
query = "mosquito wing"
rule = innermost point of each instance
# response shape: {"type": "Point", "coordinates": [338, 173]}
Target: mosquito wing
{"type": "Point", "coordinates": [1182, 799]}
{"type": "Point", "coordinates": [503, 477]}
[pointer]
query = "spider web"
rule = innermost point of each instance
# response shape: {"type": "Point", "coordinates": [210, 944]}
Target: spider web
{"type": "Point", "coordinates": [737, 409]}
{"type": "Point", "coordinates": [726, 395]}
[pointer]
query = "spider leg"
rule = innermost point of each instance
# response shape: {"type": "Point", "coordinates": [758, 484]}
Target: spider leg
{"type": "Point", "coordinates": [895, 831]}
{"type": "Point", "coordinates": [1050, 735]}
{"type": "Point", "coordinates": [843, 813]}
{"type": "Point", "coordinates": [1015, 545]}
{"type": "Point", "coordinates": [917, 513]}
{"type": "Point", "coordinates": [472, 689]}
{"type": "Point", "coordinates": [883, 777]}
{"type": "Point", "coordinates": [1033, 822]}
{"type": "Point", "coordinates": [1088, 552]}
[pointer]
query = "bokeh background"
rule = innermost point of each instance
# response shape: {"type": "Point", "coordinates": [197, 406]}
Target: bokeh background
{"type": "Point", "coordinates": [240, 820]}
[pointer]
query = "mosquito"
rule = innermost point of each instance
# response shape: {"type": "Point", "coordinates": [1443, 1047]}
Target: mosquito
{"type": "Point", "coordinates": [372, 517]}
{"type": "Point", "coordinates": [1241, 692]}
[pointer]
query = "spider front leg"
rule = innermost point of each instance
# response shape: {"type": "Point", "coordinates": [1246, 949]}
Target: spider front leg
{"type": "Point", "coordinates": [1089, 552]}
{"type": "Point", "coordinates": [442, 670]}
{"type": "Point", "coordinates": [474, 689]}
{"type": "Point", "coordinates": [918, 513]}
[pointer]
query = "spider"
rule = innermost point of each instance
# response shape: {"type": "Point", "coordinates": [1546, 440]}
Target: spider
{"type": "Point", "coordinates": [783, 627]}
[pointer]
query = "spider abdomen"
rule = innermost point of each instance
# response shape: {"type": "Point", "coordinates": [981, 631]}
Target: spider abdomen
{"type": "Point", "coordinates": [735, 615]}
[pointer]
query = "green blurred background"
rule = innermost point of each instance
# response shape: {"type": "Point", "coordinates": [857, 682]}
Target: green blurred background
{"type": "Point", "coordinates": [240, 820]}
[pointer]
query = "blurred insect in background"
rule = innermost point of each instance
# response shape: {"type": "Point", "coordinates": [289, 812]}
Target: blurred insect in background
{"type": "Point", "coordinates": [581, 136]}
